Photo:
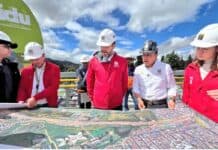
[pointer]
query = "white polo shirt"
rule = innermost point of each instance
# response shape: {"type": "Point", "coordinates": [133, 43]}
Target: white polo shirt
{"type": "Point", "coordinates": [154, 83]}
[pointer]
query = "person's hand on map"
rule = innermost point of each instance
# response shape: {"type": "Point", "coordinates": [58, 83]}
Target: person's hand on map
{"type": "Point", "coordinates": [213, 94]}
{"type": "Point", "coordinates": [141, 104]}
{"type": "Point", "coordinates": [31, 102]}
{"type": "Point", "coordinates": [171, 104]}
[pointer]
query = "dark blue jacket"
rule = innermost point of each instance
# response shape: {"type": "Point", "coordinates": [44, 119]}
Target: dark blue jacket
{"type": "Point", "coordinates": [131, 69]}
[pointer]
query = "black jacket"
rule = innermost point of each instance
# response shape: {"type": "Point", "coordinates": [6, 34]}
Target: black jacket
{"type": "Point", "coordinates": [9, 78]}
{"type": "Point", "coordinates": [81, 73]}
{"type": "Point", "coordinates": [131, 69]}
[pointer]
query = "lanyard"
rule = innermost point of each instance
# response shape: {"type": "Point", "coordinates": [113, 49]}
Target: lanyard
{"type": "Point", "coordinates": [38, 77]}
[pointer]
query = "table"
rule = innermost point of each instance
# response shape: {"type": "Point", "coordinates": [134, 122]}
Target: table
{"type": "Point", "coordinates": [90, 128]}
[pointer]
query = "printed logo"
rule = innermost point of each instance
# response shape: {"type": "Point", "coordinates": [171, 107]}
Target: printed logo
{"type": "Point", "coordinates": [102, 38]}
{"type": "Point", "coordinates": [191, 80]}
{"type": "Point", "coordinates": [200, 36]}
{"type": "Point", "coordinates": [159, 71]}
{"type": "Point", "coordinates": [30, 52]}
{"type": "Point", "coordinates": [116, 64]}
{"type": "Point", "coordinates": [14, 16]}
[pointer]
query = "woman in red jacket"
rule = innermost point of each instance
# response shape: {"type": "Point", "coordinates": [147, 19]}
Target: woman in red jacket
{"type": "Point", "coordinates": [201, 77]}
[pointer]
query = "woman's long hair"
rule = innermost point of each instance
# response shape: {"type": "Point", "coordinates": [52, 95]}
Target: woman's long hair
{"type": "Point", "coordinates": [214, 65]}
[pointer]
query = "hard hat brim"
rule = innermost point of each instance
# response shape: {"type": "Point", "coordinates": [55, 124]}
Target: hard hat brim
{"type": "Point", "coordinates": [201, 44]}
{"type": "Point", "coordinates": [10, 44]}
{"type": "Point", "coordinates": [84, 61]}
{"type": "Point", "coordinates": [31, 57]}
{"type": "Point", "coordinates": [99, 43]}
{"type": "Point", "coordinates": [148, 51]}
{"type": "Point", "coordinates": [13, 45]}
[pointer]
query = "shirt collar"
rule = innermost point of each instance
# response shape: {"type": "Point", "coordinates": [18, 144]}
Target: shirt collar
{"type": "Point", "coordinates": [154, 65]}
{"type": "Point", "coordinates": [42, 68]}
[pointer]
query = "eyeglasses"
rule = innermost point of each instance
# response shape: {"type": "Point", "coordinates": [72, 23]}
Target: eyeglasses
{"type": "Point", "coordinates": [5, 46]}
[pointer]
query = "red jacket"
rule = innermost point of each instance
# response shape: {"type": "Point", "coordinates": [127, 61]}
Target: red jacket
{"type": "Point", "coordinates": [107, 82]}
{"type": "Point", "coordinates": [195, 91]}
{"type": "Point", "coordinates": [51, 80]}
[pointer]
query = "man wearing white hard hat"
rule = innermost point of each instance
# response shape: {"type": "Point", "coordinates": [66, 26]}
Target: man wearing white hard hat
{"type": "Point", "coordinates": [153, 84]}
{"type": "Point", "coordinates": [83, 99]}
{"type": "Point", "coordinates": [200, 89]}
{"type": "Point", "coordinates": [9, 73]}
{"type": "Point", "coordinates": [107, 74]}
{"type": "Point", "coordinates": [39, 81]}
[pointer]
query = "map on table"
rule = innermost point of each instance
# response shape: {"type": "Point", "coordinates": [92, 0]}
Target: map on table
{"type": "Point", "coordinates": [52, 128]}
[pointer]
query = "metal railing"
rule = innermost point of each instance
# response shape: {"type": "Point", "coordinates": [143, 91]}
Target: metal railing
{"type": "Point", "coordinates": [68, 83]}
{"type": "Point", "coordinates": [71, 82]}
{"type": "Point", "coordinates": [179, 80]}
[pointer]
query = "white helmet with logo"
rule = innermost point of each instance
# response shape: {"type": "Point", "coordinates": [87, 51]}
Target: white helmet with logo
{"type": "Point", "coordinates": [206, 37]}
{"type": "Point", "coordinates": [33, 50]}
{"type": "Point", "coordinates": [106, 38]}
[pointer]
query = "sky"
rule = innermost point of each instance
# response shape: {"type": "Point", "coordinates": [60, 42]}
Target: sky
{"type": "Point", "coordinates": [70, 28]}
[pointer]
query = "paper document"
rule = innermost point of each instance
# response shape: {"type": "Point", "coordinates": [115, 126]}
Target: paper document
{"type": "Point", "coordinates": [12, 105]}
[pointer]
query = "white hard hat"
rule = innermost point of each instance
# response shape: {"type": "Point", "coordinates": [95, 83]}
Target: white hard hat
{"type": "Point", "coordinates": [33, 50]}
{"type": "Point", "coordinates": [84, 59]}
{"type": "Point", "coordinates": [106, 38]}
{"type": "Point", "coordinates": [206, 37]}
{"type": "Point", "coordinates": [5, 39]}
{"type": "Point", "coordinates": [128, 56]}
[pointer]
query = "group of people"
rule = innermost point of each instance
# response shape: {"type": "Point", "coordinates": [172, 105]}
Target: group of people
{"type": "Point", "coordinates": [107, 79]}
{"type": "Point", "coordinates": [111, 78]}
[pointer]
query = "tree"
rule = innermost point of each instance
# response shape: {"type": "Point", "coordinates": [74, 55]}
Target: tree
{"type": "Point", "coordinates": [182, 63]}
{"type": "Point", "coordinates": [173, 59]}
{"type": "Point", "coordinates": [189, 60]}
{"type": "Point", "coordinates": [162, 58]}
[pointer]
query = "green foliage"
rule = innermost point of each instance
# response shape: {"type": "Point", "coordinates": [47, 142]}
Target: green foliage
{"type": "Point", "coordinates": [189, 60]}
{"type": "Point", "coordinates": [175, 61]}
{"type": "Point", "coordinates": [162, 58]}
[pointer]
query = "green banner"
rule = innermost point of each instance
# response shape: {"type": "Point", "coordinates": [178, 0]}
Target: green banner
{"type": "Point", "coordinates": [17, 20]}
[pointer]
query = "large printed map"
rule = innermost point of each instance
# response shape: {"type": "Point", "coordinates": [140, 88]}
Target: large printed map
{"type": "Point", "coordinates": [52, 128]}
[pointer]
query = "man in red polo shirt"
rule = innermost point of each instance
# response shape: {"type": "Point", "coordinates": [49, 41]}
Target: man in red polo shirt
{"type": "Point", "coordinates": [39, 81]}
{"type": "Point", "coordinates": [107, 74]}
